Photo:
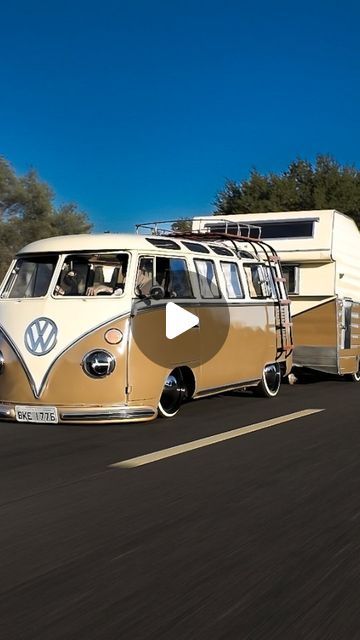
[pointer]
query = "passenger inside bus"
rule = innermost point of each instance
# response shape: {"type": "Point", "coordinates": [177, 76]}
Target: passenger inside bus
{"type": "Point", "coordinates": [171, 274]}
{"type": "Point", "coordinates": [93, 275]}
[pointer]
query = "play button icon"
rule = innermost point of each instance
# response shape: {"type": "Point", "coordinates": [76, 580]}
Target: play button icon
{"type": "Point", "coordinates": [162, 330]}
{"type": "Point", "coordinates": [178, 320]}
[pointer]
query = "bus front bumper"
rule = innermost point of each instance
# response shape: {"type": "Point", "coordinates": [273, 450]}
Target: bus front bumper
{"type": "Point", "coordinates": [104, 415]}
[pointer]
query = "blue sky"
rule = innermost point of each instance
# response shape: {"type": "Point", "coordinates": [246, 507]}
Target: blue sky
{"type": "Point", "coordinates": [140, 110]}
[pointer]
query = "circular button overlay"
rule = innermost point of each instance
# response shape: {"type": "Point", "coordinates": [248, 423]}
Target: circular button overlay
{"type": "Point", "coordinates": [178, 329]}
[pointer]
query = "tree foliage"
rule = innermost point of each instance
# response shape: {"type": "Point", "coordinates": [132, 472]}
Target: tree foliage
{"type": "Point", "coordinates": [182, 225]}
{"type": "Point", "coordinates": [28, 213]}
{"type": "Point", "coordinates": [324, 184]}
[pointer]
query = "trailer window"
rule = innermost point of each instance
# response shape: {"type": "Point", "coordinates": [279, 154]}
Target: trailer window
{"type": "Point", "coordinates": [232, 280]}
{"type": "Point", "coordinates": [208, 283]}
{"type": "Point", "coordinates": [30, 277]}
{"type": "Point", "coordinates": [291, 275]}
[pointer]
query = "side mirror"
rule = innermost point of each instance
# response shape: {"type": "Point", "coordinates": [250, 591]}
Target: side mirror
{"type": "Point", "coordinates": [157, 292]}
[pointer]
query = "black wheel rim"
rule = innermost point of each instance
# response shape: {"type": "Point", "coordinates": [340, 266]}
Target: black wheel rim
{"type": "Point", "coordinates": [172, 394]}
{"type": "Point", "coordinates": [272, 377]}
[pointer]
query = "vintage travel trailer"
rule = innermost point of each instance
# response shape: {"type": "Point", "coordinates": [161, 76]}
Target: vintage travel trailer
{"type": "Point", "coordinates": [320, 256]}
{"type": "Point", "coordinates": [83, 324]}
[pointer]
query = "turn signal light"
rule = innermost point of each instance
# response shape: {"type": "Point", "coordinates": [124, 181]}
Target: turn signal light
{"type": "Point", "coordinates": [113, 336]}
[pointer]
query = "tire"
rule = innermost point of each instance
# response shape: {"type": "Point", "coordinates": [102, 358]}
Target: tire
{"type": "Point", "coordinates": [173, 395]}
{"type": "Point", "coordinates": [269, 385]}
{"type": "Point", "coordinates": [353, 377]}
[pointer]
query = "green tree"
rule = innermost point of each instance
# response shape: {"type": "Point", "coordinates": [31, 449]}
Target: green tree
{"type": "Point", "coordinates": [182, 225]}
{"type": "Point", "coordinates": [28, 213]}
{"type": "Point", "coordinates": [325, 184]}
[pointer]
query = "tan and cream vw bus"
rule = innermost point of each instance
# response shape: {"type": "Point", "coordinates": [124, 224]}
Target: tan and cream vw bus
{"type": "Point", "coordinates": [83, 324]}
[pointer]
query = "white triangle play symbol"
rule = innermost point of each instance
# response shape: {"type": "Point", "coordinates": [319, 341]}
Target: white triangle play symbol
{"type": "Point", "coordinates": [178, 320]}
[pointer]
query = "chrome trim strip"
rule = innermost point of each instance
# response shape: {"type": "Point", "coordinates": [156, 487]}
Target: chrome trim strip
{"type": "Point", "coordinates": [227, 387]}
{"type": "Point", "coordinates": [121, 414]}
{"type": "Point", "coordinates": [7, 413]}
{"type": "Point", "coordinates": [260, 302]}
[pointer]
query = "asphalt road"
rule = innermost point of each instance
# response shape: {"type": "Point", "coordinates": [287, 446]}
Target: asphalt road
{"type": "Point", "coordinates": [253, 538]}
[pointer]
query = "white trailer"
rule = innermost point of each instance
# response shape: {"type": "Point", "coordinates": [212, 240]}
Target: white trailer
{"type": "Point", "coordinates": [320, 255]}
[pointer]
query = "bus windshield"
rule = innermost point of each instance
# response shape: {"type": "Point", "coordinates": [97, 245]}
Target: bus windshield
{"type": "Point", "coordinates": [80, 275]}
{"type": "Point", "coordinates": [30, 277]}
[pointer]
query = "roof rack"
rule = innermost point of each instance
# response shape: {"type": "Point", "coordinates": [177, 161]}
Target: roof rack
{"type": "Point", "coordinates": [222, 227]}
{"type": "Point", "coordinates": [162, 227]}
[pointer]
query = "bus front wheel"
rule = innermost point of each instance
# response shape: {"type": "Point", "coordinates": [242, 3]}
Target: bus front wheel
{"type": "Point", "coordinates": [269, 384]}
{"type": "Point", "coordinates": [173, 394]}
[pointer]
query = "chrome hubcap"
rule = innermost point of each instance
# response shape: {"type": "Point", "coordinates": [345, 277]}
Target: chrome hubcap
{"type": "Point", "coordinates": [272, 376]}
{"type": "Point", "coordinates": [172, 394]}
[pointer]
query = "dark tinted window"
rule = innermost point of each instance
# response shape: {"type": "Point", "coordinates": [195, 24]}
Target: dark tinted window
{"type": "Point", "coordinates": [281, 229]}
{"type": "Point", "coordinates": [245, 229]}
{"type": "Point", "coordinates": [195, 246]}
{"type": "Point", "coordinates": [296, 229]}
{"type": "Point", "coordinates": [221, 251]}
{"type": "Point", "coordinates": [163, 243]}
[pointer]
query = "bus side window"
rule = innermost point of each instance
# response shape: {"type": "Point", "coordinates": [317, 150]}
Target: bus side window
{"type": "Point", "coordinates": [172, 274]}
{"type": "Point", "coordinates": [232, 280]}
{"type": "Point", "coordinates": [258, 283]}
{"type": "Point", "coordinates": [274, 291]}
{"type": "Point", "coordinates": [208, 283]}
{"type": "Point", "coordinates": [145, 276]}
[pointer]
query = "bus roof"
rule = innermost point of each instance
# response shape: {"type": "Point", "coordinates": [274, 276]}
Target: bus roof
{"type": "Point", "coordinates": [90, 242]}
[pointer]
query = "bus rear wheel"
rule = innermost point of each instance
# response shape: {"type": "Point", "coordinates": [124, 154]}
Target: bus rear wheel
{"type": "Point", "coordinates": [173, 394]}
{"type": "Point", "coordinates": [270, 382]}
{"type": "Point", "coordinates": [353, 377]}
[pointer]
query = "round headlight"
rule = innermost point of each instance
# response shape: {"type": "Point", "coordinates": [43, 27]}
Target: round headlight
{"type": "Point", "coordinates": [2, 362]}
{"type": "Point", "coordinates": [98, 363]}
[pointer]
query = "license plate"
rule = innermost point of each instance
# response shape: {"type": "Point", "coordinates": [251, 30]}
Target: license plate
{"type": "Point", "coordinates": [36, 414]}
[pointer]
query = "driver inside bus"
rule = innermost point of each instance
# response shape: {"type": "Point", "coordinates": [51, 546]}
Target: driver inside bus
{"type": "Point", "coordinates": [69, 283]}
{"type": "Point", "coordinates": [144, 279]}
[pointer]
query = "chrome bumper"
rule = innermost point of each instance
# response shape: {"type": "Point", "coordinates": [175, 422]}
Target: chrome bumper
{"type": "Point", "coordinates": [91, 414]}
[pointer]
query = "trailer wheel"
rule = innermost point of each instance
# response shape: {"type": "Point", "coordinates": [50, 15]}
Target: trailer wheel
{"type": "Point", "coordinates": [174, 392]}
{"type": "Point", "coordinates": [270, 382]}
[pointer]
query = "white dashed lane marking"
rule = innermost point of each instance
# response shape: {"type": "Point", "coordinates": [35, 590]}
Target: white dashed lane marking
{"type": "Point", "coordinates": [156, 456]}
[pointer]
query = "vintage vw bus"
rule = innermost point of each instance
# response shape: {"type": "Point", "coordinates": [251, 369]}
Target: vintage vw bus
{"type": "Point", "coordinates": [82, 325]}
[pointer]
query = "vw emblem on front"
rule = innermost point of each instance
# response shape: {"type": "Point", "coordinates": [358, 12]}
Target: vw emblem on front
{"type": "Point", "coordinates": [40, 336]}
